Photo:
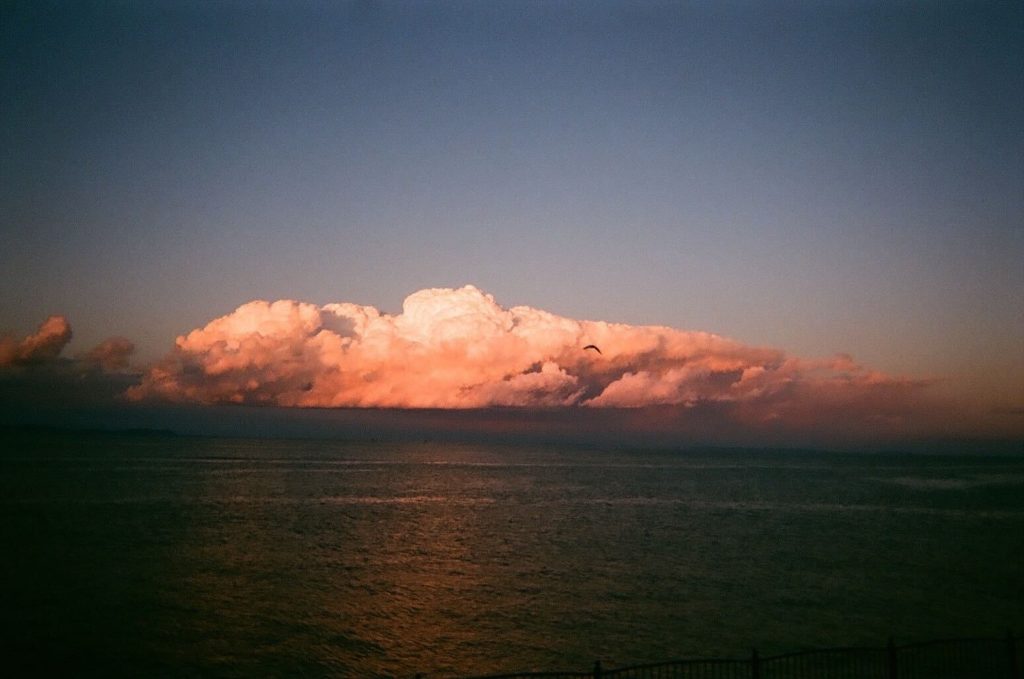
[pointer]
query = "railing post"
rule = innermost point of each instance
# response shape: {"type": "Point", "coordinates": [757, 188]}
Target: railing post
{"type": "Point", "coordinates": [597, 669]}
{"type": "Point", "coordinates": [755, 664]}
{"type": "Point", "coordinates": [890, 654]}
{"type": "Point", "coordinates": [1011, 649]}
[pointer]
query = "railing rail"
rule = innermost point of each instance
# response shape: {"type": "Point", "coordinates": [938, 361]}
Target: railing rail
{"type": "Point", "coordinates": [961, 658]}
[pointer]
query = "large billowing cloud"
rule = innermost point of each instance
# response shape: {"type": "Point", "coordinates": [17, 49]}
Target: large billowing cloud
{"type": "Point", "coordinates": [459, 349]}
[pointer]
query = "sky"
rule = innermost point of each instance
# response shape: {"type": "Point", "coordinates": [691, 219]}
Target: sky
{"type": "Point", "coordinates": [812, 178]}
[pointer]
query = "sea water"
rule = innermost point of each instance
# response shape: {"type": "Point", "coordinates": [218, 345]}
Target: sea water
{"type": "Point", "coordinates": [173, 556]}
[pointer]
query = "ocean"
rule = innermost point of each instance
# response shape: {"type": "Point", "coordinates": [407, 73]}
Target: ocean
{"type": "Point", "coordinates": [146, 555]}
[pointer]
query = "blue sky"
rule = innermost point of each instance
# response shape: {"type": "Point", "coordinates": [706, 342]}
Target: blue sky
{"type": "Point", "coordinates": [819, 177]}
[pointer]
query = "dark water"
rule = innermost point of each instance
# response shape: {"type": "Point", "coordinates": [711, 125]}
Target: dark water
{"type": "Point", "coordinates": [168, 556]}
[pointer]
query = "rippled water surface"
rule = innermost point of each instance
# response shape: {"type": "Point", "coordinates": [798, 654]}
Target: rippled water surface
{"type": "Point", "coordinates": [177, 556]}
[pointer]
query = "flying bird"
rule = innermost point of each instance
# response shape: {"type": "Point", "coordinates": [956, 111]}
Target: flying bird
{"type": "Point", "coordinates": [592, 346]}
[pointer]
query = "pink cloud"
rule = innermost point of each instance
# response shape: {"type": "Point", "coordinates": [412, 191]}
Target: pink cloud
{"type": "Point", "coordinates": [43, 348]}
{"type": "Point", "coordinates": [110, 355]}
{"type": "Point", "coordinates": [460, 349]}
{"type": "Point", "coordinates": [43, 345]}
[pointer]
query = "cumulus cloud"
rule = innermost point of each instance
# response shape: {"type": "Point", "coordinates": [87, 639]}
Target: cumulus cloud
{"type": "Point", "coordinates": [42, 350]}
{"type": "Point", "coordinates": [457, 348]}
{"type": "Point", "coordinates": [110, 355]}
{"type": "Point", "coordinates": [42, 346]}
{"type": "Point", "coordinates": [37, 384]}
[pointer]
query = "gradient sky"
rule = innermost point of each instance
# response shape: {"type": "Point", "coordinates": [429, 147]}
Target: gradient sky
{"type": "Point", "coordinates": [820, 177]}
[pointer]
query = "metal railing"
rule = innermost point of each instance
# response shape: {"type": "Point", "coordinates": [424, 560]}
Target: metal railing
{"type": "Point", "coordinates": [967, 658]}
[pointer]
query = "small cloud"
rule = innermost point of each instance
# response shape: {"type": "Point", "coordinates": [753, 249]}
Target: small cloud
{"type": "Point", "coordinates": [42, 346]}
{"type": "Point", "coordinates": [35, 379]}
{"type": "Point", "coordinates": [42, 349]}
{"type": "Point", "coordinates": [110, 355]}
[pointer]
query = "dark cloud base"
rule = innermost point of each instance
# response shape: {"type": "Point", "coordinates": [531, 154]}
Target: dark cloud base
{"type": "Point", "coordinates": [702, 426]}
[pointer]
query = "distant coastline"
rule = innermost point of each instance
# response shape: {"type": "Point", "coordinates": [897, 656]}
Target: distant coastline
{"type": "Point", "coordinates": [56, 430]}
{"type": "Point", "coordinates": [487, 426]}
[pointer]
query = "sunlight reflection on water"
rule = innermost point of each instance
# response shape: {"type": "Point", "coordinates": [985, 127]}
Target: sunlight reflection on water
{"type": "Point", "coordinates": [241, 557]}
